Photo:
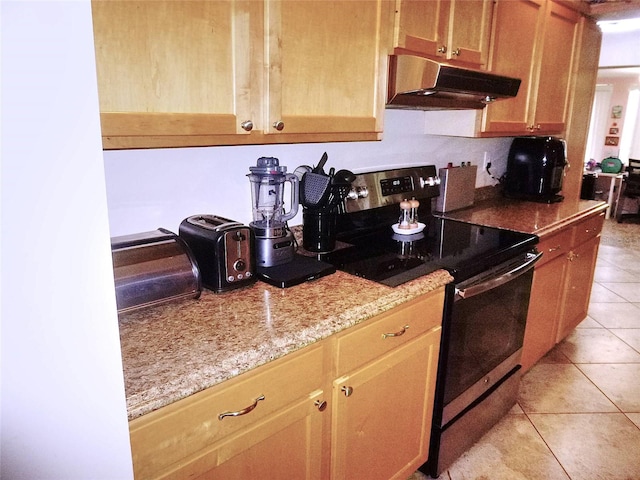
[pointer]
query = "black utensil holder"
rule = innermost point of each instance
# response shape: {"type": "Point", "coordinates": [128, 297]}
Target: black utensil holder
{"type": "Point", "coordinates": [319, 229]}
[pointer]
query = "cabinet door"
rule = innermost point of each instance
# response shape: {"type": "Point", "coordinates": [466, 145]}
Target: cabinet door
{"type": "Point", "coordinates": [419, 26]}
{"type": "Point", "coordinates": [285, 446]}
{"type": "Point", "coordinates": [452, 30]}
{"type": "Point", "coordinates": [544, 311]}
{"type": "Point", "coordinates": [558, 50]}
{"type": "Point", "coordinates": [171, 69]}
{"type": "Point", "coordinates": [575, 305]}
{"type": "Point", "coordinates": [382, 413]}
{"type": "Point", "coordinates": [468, 32]}
{"type": "Point", "coordinates": [585, 72]}
{"type": "Point", "coordinates": [326, 63]}
{"type": "Point", "coordinates": [517, 25]}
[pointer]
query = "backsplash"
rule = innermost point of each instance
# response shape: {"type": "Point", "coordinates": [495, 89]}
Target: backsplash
{"type": "Point", "coordinates": [148, 189]}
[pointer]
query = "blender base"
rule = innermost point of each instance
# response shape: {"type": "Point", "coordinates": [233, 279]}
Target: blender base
{"type": "Point", "coordinates": [299, 270]}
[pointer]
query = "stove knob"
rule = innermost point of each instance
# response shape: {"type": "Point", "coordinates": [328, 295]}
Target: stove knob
{"type": "Point", "coordinates": [357, 192]}
{"type": "Point", "coordinates": [429, 182]}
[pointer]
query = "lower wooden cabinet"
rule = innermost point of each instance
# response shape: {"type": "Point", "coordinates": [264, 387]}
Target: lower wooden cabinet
{"type": "Point", "coordinates": [382, 413]}
{"type": "Point", "coordinates": [278, 421]}
{"type": "Point", "coordinates": [577, 286]}
{"type": "Point", "coordinates": [561, 287]}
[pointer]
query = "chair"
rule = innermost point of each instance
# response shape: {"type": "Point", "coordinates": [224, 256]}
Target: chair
{"type": "Point", "coordinates": [630, 190]}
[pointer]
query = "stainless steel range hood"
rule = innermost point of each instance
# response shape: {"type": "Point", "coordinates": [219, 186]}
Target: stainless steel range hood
{"type": "Point", "coordinates": [420, 83]}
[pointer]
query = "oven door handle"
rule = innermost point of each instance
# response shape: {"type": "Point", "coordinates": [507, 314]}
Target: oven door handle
{"type": "Point", "coordinates": [494, 282]}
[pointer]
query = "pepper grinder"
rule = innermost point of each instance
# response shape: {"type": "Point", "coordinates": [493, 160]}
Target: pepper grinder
{"type": "Point", "coordinates": [404, 222]}
{"type": "Point", "coordinates": [413, 214]}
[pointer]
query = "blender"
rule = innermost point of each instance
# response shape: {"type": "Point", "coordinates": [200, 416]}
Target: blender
{"type": "Point", "coordinates": [273, 240]}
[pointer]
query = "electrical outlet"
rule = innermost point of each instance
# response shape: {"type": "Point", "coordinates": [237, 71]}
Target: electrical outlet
{"type": "Point", "coordinates": [486, 164]}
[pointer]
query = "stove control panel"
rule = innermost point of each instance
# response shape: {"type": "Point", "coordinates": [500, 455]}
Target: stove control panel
{"type": "Point", "coordinates": [387, 187]}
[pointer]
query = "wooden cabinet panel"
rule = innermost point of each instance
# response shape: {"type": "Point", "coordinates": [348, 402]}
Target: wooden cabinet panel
{"type": "Point", "coordinates": [171, 68]}
{"type": "Point", "coordinates": [577, 290]}
{"type": "Point", "coordinates": [555, 245]}
{"type": "Point", "coordinates": [561, 288]}
{"type": "Point", "coordinates": [558, 51]}
{"type": "Point", "coordinates": [163, 437]}
{"type": "Point", "coordinates": [544, 307]}
{"type": "Point", "coordinates": [587, 229]}
{"type": "Point", "coordinates": [283, 447]}
{"type": "Point", "coordinates": [387, 333]}
{"type": "Point", "coordinates": [323, 65]}
{"type": "Point", "coordinates": [447, 30]}
{"type": "Point", "coordinates": [381, 429]}
{"type": "Point", "coordinates": [582, 91]}
{"type": "Point", "coordinates": [419, 27]}
{"type": "Point", "coordinates": [193, 73]}
{"type": "Point", "coordinates": [534, 40]}
{"type": "Point", "coordinates": [469, 31]}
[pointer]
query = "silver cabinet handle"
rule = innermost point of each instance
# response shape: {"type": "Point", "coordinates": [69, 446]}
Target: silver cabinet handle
{"type": "Point", "coordinates": [321, 404]}
{"type": "Point", "coordinates": [396, 334]}
{"type": "Point", "coordinates": [244, 411]}
{"type": "Point", "coordinates": [456, 52]}
{"type": "Point", "coordinates": [279, 125]}
{"type": "Point", "coordinates": [442, 49]}
{"type": "Point", "coordinates": [247, 125]}
{"type": "Point", "coordinates": [348, 391]}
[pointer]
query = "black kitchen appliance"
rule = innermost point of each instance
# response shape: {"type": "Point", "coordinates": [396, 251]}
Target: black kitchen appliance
{"type": "Point", "coordinates": [535, 169]}
{"type": "Point", "coordinates": [485, 306]}
{"type": "Point", "coordinates": [224, 251]}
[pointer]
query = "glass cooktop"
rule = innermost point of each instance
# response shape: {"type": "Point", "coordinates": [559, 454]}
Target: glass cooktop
{"type": "Point", "coordinates": [464, 249]}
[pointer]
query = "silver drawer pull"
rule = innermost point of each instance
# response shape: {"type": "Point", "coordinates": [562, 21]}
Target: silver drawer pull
{"type": "Point", "coordinates": [244, 411]}
{"type": "Point", "coordinates": [397, 334]}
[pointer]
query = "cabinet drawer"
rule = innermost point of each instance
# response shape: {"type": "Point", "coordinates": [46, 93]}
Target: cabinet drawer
{"type": "Point", "coordinates": [587, 229]}
{"type": "Point", "coordinates": [177, 431]}
{"type": "Point", "coordinates": [388, 331]}
{"type": "Point", "coordinates": [555, 245]}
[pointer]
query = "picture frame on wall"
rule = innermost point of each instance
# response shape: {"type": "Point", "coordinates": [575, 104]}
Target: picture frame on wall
{"type": "Point", "coordinates": [616, 111]}
{"type": "Point", "coordinates": [611, 141]}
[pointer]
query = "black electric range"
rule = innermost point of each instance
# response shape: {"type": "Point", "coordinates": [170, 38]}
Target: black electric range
{"type": "Point", "coordinates": [373, 250]}
{"type": "Point", "coordinates": [464, 249]}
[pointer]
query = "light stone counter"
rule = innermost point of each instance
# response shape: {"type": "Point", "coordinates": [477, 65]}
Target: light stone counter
{"type": "Point", "coordinates": [529, 217]}
{"type": "Point", "coordinates": [172, 351]}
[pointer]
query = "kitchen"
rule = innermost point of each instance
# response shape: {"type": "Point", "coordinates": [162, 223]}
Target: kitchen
{"type": "Point", "coordinates": [64, 345]}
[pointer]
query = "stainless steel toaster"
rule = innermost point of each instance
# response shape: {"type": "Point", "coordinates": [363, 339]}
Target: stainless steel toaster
{"type": "Point", "coordinates": [224, 250]}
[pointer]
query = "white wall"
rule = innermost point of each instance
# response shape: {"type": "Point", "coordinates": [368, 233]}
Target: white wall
{"type": "Point", "coordinates": [148, 189]}
{"type": "Point", "coordinates": [63, 406]}
{"type": "Point", "coordinates": [620, 49]}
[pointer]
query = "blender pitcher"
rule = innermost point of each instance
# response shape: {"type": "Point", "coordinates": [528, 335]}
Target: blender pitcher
{"type": "Point", "coordinates": [274, 242]}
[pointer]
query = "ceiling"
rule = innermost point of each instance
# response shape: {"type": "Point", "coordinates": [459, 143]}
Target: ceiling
{"type": "Point", "coordinates": [611, 9]}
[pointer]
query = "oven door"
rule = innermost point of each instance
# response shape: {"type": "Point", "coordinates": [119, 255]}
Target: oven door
{"type": "Point", "coordinates": [486, 331]}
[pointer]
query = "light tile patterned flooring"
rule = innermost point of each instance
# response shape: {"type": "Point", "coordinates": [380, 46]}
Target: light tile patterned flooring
{"type": "Point", "coordinates": [578, 411]}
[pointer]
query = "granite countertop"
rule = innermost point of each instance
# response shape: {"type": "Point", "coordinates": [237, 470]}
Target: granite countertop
{"type": "Point", "coordinates": [528, 217]}
{"type": "Point", "coordinates": [174, 350]}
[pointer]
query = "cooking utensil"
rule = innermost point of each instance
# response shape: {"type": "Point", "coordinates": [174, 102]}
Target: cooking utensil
{"type": "Point", "coordinates": [320, 167]}
{"type": "Point", "coordinates": [314, 189]}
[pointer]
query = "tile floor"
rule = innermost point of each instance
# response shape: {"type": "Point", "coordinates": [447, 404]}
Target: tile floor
{"type": "Point", "coordinates": [578, 411]}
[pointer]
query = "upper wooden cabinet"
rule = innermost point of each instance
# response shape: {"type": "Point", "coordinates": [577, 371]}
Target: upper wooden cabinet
{"type": "Point", "coordinates": [454, 31]}
{"type": "Point", "coordinates": [533, 40]}
{"type": "Point", "coordinates": [536, 41]}
{"type": "Point", "coordinates": [240, 72]}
